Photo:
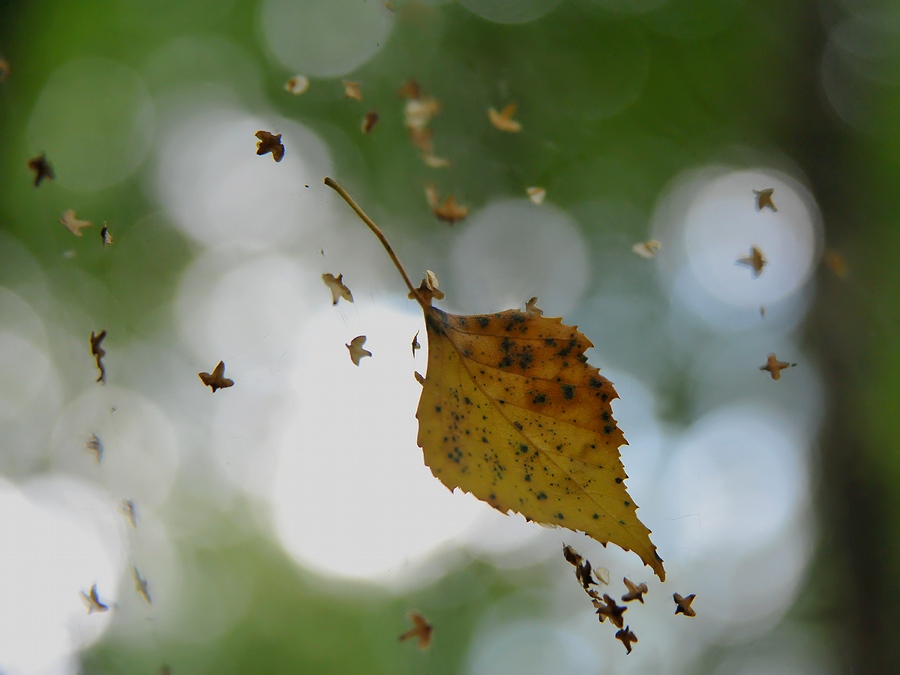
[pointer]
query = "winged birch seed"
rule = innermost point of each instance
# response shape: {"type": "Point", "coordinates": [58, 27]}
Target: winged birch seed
{"type": "Point", "coordinates": [683, 605]}
{"type": "Point", "coordinates": [774, 366]}
{"type": "Point", "coordinates": [217, 379]}
{"type": "Point", "coordinates": [764, 199]}
{"type": "Point", "coordinates": [421, 630]}
{"type": "Point", "coordinates": [41, 168]}
{"type": "Point", "coordinates": [93, 602]}
{"type": "Point", "coordinates": [635, 591]}
{"type": "Point", "coordinates": [269, 143]}
{"type": "Point", "coordinates": [351, 90]}
{"type": "Point", "coordinates": [626, 637]}
{"type": "Point", "coordinates": [297, 85]}
{"type": "Point", "coordinates": [357, 353]}
{"type": "Point", "coordinates": [503, 120]}
{"type": "Point", "coordinates": [755, 261]}
{"type": "Point", "coordinates": [72, 224]}
{"type": "Point", "coordinates": [647, 249]}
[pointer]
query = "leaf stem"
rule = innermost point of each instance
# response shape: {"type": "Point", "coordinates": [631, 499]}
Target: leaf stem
{"type": "Point", "coordinates": [334, 185]}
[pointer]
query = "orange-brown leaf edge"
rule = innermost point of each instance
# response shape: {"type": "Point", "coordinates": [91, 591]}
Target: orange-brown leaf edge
{"type": "Point", "coordinates": [512, 412]}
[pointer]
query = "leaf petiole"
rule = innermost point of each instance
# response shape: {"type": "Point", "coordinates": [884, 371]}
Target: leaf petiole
{"type": "Point", "coordinates": [334, 185]}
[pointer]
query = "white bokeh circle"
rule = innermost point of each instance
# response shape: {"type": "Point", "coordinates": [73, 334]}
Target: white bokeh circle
{"type": "Point", "coordinates": [325, 38]}
{"type": "Point", "coordinates": [140, 449]}
{"type": "Point", "coordinates": [244, 299]}
{"type": "Point", "coordinates": [512, 250]}
{"type": "Point", "coordinates": [216, 189]}
{"type": "Point", "coordinates": [708, 220]}
{"type": "Point", "coordinates": [95, 120]}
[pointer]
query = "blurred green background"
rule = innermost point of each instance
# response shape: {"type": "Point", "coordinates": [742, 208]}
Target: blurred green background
{"type": "Point", "coordinates": [776, 502]}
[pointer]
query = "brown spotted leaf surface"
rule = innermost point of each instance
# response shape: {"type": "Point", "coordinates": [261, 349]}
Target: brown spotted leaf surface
{"type": "Point", "coordinates": [512, 412]}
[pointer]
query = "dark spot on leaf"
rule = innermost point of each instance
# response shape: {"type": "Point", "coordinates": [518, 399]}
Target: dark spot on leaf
{"type": "Point", "coordinates": [437, 408]}
{"type": "Point", "coordinates": [604, 416]}
{"type": "Point", "coordinates": [550, 342]}
{"type": "Point", "coordinates": [542, 495]}
{"type": "Point", "coordinates": [596, 383]}
{"type": "Point", "coordinates": [627, 503]}
{"type": "Point", "coordinates": [608, 429]}
{"type": "Point", "coordinates": [618, 480]}
{"type": "Point", "coordinates": [596, 517]}
{"type": "Point", "coordinates": [565, 351]}
{"type": "Point", "coordinates": [539, 398]}
{"type": "Point", "coordinates": [527, 477]}
{"type": "Point", "coordinates": [525, 358]}
{"type": "Point", "coordinates": [505, 362]}
{"type": "Point", "coordinates": [568, 391]}
{"type": "Point", "coordinates": [483, 321]}
{"type": "Point", "coordinates": [518, 425]}
{"type": "Point", "coordinates": [560, 516]}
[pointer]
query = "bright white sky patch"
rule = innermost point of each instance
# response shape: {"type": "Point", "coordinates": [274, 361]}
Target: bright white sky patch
{"type": "Point", "coordinates": [353, 497]}
{"type": "Point", "coordinates": [59, 536]}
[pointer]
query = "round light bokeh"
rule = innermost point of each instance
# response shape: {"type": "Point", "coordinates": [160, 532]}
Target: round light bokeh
{"type": "Point", "coordinates": [709, 220]}
{"type": "Point", "coordinates": [217, 189]}
{"type": "Point", "coordinates": [60, 536]}
{"type": "Point", "coordinates": [245, 302]}
{"type": "Point", "coordinates": [512, 250]}
{"type": "Point", "coordinates": [95, 120]}
{"type": "Point", "coordinates": [741, 476]}
{"type": "Point", "coordinates": [510, 11]}
{"type": "Point", "coordinates": [737, 504]}
{"type": "Point", "coordinates": [325, 38]}
{"type": "Point", "coordinates": [139, 447]}
{"type": "Point", "coordinates": [353, 497]}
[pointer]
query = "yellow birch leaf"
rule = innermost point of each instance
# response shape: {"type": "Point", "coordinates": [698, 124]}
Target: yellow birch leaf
{"type": "Point", "coordinates": [512, 412]}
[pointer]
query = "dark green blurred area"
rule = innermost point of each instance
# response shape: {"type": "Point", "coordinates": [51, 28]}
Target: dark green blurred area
{"type": "Point", "coordinates": [615, 105]}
